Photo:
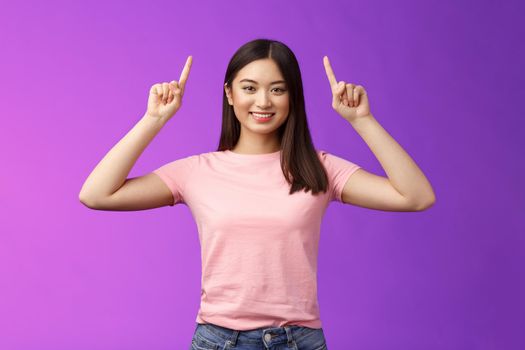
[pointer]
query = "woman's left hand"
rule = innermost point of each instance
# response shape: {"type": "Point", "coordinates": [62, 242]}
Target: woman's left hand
{"type": "Point", "coordinates": [349, 100]}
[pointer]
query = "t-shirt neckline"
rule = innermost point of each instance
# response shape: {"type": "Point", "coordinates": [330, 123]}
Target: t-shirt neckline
{"type": "Point", "coordinates": [261, 156]}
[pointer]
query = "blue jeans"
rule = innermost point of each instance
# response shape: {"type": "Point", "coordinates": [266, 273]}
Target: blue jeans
{"type": "Point", "coordinates": [209, 336]}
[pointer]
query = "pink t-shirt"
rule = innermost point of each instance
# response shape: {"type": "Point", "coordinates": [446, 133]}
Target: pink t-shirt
{"type": "Point", "coordinates": [259, 244]}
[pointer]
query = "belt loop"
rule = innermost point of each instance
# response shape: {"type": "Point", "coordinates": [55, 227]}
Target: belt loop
{"type": "Point", "coordinates": [289, 336]}
{"type": "Point", "coordinates": [233, 337]}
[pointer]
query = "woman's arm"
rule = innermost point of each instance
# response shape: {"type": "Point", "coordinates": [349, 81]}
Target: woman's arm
{"type": "Point", "coordinates": [407, 188]}
{"type": "Point", "coordinates": [111, 172]}
{"type": "Point", "coordinates": [164, 100]}
{"type": "Point", "coordinates": [404, 176]}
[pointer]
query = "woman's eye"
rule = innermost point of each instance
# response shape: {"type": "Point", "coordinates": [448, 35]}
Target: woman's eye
{"type": "Point", "coordinates": [247, 88]}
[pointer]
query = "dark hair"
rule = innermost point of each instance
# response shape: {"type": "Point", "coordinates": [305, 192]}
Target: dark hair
{"type": "Point", "coordinates": [300, 163]}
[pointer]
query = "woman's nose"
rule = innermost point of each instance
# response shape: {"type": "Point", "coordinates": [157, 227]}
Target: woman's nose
{"type": "Point", "coordinates": [263, 100]}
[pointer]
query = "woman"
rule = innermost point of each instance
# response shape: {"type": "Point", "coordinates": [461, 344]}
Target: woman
{"type": "Point", "coordinates": [258, 200]}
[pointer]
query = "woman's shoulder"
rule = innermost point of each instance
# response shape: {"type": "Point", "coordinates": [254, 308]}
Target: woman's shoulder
{"type": "Point", "coordinates": [207, 157]}
{"type": "Point", "coordinates": [201, 155]}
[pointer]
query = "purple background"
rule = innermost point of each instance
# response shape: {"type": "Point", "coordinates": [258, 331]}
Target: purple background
{"type": "Point", "coordinates": [444, 78]}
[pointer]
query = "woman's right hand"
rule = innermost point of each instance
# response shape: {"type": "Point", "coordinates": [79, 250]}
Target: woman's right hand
{"type": "Point", "coordinates": [166, 98]}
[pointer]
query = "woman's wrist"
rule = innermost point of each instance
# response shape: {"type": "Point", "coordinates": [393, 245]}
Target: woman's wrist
{"type": "Point", "coordinates": [155, 122]}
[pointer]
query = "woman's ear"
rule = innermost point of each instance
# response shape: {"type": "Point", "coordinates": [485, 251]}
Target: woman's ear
{"type": "Point", "coordinates": [228, 93]}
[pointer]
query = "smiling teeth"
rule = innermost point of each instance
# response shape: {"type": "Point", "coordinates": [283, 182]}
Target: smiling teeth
{"type": "Point", "coordinates": [262, 115]}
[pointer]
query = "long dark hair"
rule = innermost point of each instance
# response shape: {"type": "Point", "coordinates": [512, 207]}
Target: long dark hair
{"type": "Point", "coordinates": [300, 163]}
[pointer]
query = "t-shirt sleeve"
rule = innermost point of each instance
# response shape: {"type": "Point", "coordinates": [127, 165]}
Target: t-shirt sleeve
{"type": "Point", "coordinates": [339, 171]}
{"type": "Point", "coordinates": [175, 175]}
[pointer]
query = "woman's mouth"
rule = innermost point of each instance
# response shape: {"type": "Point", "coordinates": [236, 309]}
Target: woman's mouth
{"type": "Point", "coordinates": [262, 117]}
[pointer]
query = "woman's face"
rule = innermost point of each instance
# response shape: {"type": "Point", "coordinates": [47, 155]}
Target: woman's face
{"type": "Point", "coordinates": [259, 87]}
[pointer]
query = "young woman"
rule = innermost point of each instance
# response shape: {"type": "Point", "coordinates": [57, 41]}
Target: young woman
{"type": "Point", "coordinates": [258, 200]}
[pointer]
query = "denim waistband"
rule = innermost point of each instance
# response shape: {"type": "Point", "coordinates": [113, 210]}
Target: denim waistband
{"type": "Point", "coordinates": [269, 335]}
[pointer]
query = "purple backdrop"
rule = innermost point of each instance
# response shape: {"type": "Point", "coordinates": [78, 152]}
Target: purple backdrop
{"type": "Point", "coordinates": [444, 78]}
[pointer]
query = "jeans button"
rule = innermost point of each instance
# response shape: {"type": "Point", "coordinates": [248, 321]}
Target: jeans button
{"type": "Point", "coordinates": [267, 337]}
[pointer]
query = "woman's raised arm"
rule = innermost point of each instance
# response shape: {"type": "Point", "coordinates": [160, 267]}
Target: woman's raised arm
{"type": "Point", "coordinates": [107, 187]}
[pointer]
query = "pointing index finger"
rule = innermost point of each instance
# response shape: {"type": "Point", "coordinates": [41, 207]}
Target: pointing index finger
{"type": "Point", "coordinates": [185, 72]}
{"type": "Point", "coordinates": [329, 72]}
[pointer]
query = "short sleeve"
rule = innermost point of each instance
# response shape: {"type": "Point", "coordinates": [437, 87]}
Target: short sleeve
{"type": "Point", "coordinates": [339, 171]}
{"type": "Point", "coordinates": [175, 175]}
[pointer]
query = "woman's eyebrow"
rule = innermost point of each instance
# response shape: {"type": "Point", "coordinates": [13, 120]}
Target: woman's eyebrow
{"type": "Point", "coordinates": [253, 81]}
